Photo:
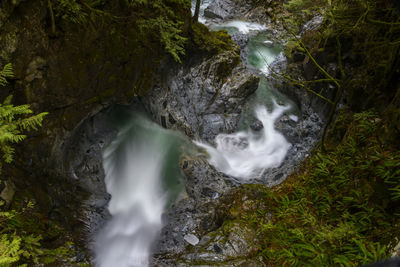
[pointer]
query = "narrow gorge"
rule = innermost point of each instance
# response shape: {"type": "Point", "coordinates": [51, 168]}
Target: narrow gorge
{"type": "Point", "coordinates": [259, 135]}
{"type": "Point", "coordinates": [209, 106]}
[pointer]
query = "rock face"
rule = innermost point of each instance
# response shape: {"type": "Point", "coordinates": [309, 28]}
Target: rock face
{"type": "Point", "coordinates": [219, 9]}
{"type": "Point", "coordinates": [237, 9]}
{"type": "Point", "coordinates": [231, 241]}
{"type": "Point", "coordinates": [196, 214]}
{"type": "Point", "coordinates": [203, 99]}
{"type": "Point", "coordinates": [83, 153]}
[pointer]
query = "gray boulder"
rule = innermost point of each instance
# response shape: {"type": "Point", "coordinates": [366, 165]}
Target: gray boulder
{"type": "Point", "coordinates": [221, 9]}
{"type": "Point", "coordinates": [204, 99]}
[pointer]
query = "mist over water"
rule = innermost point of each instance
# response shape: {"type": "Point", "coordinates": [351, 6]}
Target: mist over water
{"type": "Point", "coordinates": [142, 176]}
{"type": "Point", "coordinates": [246, 154]}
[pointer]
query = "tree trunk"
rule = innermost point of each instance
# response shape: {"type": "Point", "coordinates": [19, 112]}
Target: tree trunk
{"type": "Point", "coordinates": [197, 11]}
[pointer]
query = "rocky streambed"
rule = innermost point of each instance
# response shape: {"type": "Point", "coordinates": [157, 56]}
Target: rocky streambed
{"type": "Point", "coordinates": [201, 98]}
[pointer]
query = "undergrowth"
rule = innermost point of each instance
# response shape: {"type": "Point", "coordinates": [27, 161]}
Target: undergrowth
{"type": "Point", "coordinates": [21, 238]}
{"type": "Point", "coordinates": [158, 21]}
{"type": "Point", "coordinates": [22, 226]}
{"type": "Point", "coordinates": [342, 209]}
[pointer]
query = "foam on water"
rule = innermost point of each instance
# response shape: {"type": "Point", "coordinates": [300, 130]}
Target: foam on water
{"type": "Point", "coordinates": [247, 154]}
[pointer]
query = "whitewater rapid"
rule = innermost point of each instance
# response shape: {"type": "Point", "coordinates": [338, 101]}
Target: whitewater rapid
{"type": "Point", "coordinates": [135, 165]}
{"type": "Point", "coordinates": [246, 154]}
{"type": "Point", "coordinates": [142, 165]}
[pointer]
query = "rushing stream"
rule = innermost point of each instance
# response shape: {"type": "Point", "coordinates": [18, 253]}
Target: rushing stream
{"type": "Point", "coordinates": [142, 163]}
{"type": "Point", "coordinates": [247, 154]}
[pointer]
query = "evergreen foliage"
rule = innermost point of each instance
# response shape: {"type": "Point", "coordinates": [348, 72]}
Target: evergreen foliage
{"type": "Point", "coordinates": [14, 120]}
{"type": "Point", "coordinates": [356, 35]}
{"type": "Point", "coordinates": [7, 72]}
{"type": "Point", "coordinates": [156, 19]}
{"type": "Point", "coordinates": [370, 30]}
{"type": "Point", "coordinates": [21, 233]}
{"type": "Point", "coordinates": [166, 24]}
{"type": "Point", "coordinates": [343, 210]}
{"type": "Point", "coordinates": [71, 10]}
{"type": "Point", "coordinates": [19, 243]}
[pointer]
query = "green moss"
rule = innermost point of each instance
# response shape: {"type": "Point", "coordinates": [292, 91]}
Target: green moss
{"type": "Point", "coordinates": [211, 41]}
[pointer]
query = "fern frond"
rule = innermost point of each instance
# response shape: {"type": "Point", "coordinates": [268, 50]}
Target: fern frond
{"type": "Point", "coordinates": [13, 121]}
{"type": "Point", "coordinates": [8, 153]}
{"type": "Point", "coordinates": [32, 122]}
{"type": "Point", "coordinates": [8, 100]}
{"type": "Point", "coordinates": [7, 72]}
{"type": "Point", "coordinates": [9, 250]}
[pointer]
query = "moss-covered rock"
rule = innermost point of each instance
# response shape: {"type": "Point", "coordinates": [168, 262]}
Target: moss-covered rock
{"type": "Point", "coordinates": [236, 242]}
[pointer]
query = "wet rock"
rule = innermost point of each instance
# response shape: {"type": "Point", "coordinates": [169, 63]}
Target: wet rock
{"type": "Point", "coordinates": [191, 239]}
{"type": "Point", "coordinates": [250, 10]}
{"type": "Point", "coordinates": [279, 65]}
{"type": "Point", "coordinates": [313, 24]}
{"type": "Point", "coordinates": [268, 43]}
{"type": "Point", "coordinates": [240, 39]}
{"type": "Point", "coordinates": [218, 9]}
{"type": "Point", "coordinates": [234, 242]}
{"type": "Point", "coordinates": [257, 126]}
{"type": "Point", "coordinates": [205, 98]}
{"type": "Point", "coordinates": [83, 153]}
{"type": "Point", "coordinates": [197, 212]}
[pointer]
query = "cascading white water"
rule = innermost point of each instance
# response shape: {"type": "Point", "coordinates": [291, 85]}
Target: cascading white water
{"type": "Point", "coordinates": [141, 168]}
{"type": "Point", "coordinates": [135, 164]}
{"type": "Point", "coordinates": [238, 25]}
{"type": "Point", "coordinates": [248, 154]}
{"type": "Point", "coordinates": [242, 26]}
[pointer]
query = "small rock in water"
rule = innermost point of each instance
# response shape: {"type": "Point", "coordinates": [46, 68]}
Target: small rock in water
{"type": "Point", "coordinates": [268, 43]}
{"type": "Point", "coordinates": [294, 118]}
{"type": "Point", "coordinates": [257, 126]}
{"type": "Point", "coordinates": [191, 239]}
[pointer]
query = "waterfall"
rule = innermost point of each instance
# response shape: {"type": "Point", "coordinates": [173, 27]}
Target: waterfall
{"type": "Point", "coordinates": [246, 154]}
{"type": "Point", "coordinates": [135, 165]}
{"type": "Point", "coordinates": [142, 165]}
